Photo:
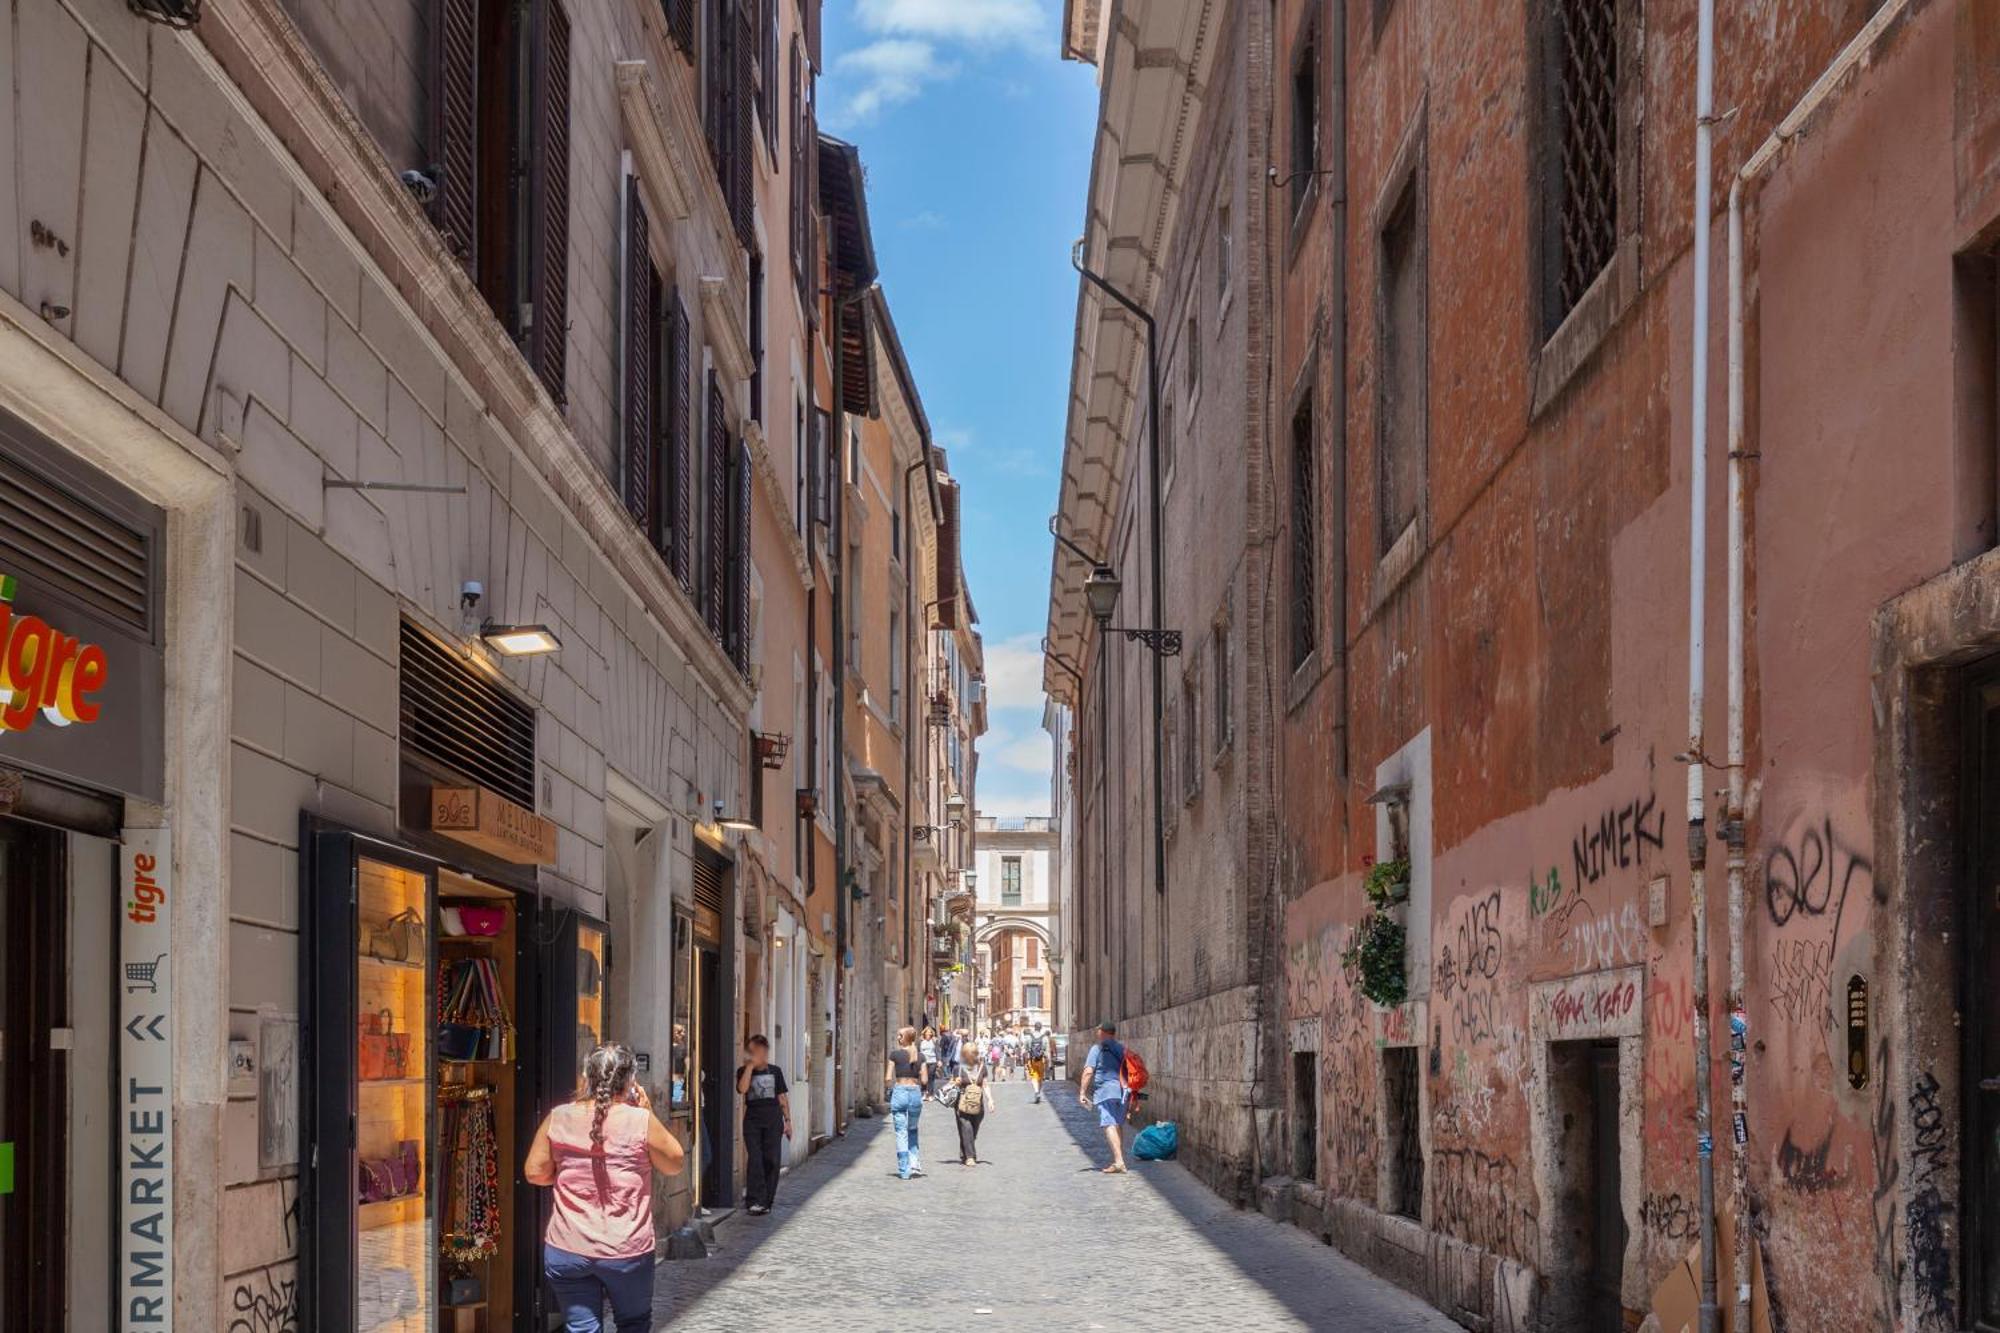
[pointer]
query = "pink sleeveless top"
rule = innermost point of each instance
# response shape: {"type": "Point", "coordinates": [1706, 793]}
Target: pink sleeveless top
{"type": "Point", "coordinates": [603, 1201]}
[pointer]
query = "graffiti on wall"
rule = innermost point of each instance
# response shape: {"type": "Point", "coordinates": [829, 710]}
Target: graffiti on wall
{"type": "Point", "coordinates": [1805, 1170]}
{"type": "Point", "coordinates": [1620, 839]}
{"type": "Point", "coordinates": [266, 1301]}
{"type": "Point", "coordinates": [1802, 980]}
{"type": "Point", "coordinates": [1669, 1217]}
{"type": "Point", "coordinates": [1484, 1200]}
{"type": "Point", "coordinates": [1812, 874]}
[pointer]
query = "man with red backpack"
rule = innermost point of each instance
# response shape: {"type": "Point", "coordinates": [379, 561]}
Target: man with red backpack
{"type": "Point", "coordinates": [1104, 1083]}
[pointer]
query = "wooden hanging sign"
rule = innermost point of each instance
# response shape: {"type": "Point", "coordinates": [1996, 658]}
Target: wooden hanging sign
{"type": "Point", "coordinates": [495, 825]}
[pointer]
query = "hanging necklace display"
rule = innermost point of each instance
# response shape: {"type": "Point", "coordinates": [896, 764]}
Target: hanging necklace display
{"type": "Point", "coordinates": [471, 1211]}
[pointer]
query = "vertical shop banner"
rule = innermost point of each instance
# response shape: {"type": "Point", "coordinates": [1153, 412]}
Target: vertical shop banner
{"type": "Point", "coordinates": [146, 1082]}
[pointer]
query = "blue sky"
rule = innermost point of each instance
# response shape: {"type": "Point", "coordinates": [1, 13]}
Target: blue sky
{"type": "Point", "coordinates": [976, 139]}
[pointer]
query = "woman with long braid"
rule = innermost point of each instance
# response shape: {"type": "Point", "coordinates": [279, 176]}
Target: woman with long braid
{"type": "Point", "coordinates": [598, 1153]}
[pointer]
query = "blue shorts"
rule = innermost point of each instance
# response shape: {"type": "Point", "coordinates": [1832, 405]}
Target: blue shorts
{"type": "Point", "coordinates": [1111, 1111]}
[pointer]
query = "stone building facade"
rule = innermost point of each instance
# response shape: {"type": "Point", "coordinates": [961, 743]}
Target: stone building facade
{"type": "Point", "coordinates": [350, 387]}
{"type": "Point", "coordinates": [1478, 448]}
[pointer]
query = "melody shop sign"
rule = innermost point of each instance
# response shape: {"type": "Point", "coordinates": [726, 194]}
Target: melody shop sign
{"type": "Point", "coordinates": [45, 673]}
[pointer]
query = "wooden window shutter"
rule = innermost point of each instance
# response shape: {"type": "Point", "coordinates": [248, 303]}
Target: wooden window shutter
{"type": "Point", "coordinates": [548, 348]}
{"type": "Point", "coordinates": [680, 24]}
{"type": "Point", "coordinates": [740, 555]}
{"type": "Point", "coordinates": [454, 84]}
{"type": "Point", "coordinates": [715, 86]}
{"type": "Point", "coordinates": [718, 501]}
{"type": "Point", "coordinates": [796, 160]}
{"type": "Point", "coordinates": [640, 348]}
{"type": "Point", "coordinates": [680, 444]}
{"type": "Point", "coordinates": [809, 13]}
{"type": "Point", "coordinates": [741, 182]}
{"type": "Point", "coordinates": [767, 73]}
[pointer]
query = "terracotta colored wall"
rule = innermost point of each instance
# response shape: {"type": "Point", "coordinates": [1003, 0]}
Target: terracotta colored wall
{"type": "Point", "coordinates": [1542, 640]}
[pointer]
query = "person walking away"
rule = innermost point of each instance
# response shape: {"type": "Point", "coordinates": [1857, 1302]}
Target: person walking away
{"type": "Point", "coordinates": [974, 1101]}
{"type": "Point", "coordinates": [1038, 1059]}
{"type": "Point", "coordinates": [906, 1075]}
{"type": "Point", "coordinates": [767, 1123]}
{"type": "Point", "coordinates": [928, 1048]}
{"type": "Point", "coordinates": [948, 1052]}
{"type": "Point", "coordinates": [598, 1154]}
{"type": "Point", "coordinates": [994, 1051]}
{"type": "Point", "coordinates": [1102, 1084]}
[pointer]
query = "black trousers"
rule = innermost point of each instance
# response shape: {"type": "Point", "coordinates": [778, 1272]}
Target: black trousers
{"type": "Point", "coordinates": [968, 1136]}
{"type": "Point", "coordinates": [764, 1145]}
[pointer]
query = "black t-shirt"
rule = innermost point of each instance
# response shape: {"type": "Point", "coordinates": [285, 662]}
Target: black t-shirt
{"type": "Point", "coordinates": [766, 1086]}
{"type": "Point", "coordinates": [907, 1063]}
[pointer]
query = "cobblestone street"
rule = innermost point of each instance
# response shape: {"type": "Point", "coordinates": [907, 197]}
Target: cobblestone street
{"type": "Point", "coordinates": [1033, 1238]}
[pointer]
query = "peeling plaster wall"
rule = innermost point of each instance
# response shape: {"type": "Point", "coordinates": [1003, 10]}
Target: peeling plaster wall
{"type": "Point", "coordinates": [1544, 642]}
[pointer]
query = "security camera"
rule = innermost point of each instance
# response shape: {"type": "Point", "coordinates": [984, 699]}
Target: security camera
{"type": "Point", "coordinates": [470, 593]}
{"type": "Point", "coordinates": [422, 185]}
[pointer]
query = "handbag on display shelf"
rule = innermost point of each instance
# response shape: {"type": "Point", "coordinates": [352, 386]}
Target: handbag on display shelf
{"type": "Point", "coordinates": [382, 1179]}
{"type": "Point", "coordinates": [399, 939]}
{"type": "Point", "coordinates": [450, 921]}
{"type": "Point", "coordinates": [385, 1052]}
{"type": "Point", "coordinates": [589, 973]}
{"type": "Point", "coordinates": [473, 1020]}
{"type": "Point", "coordinates": [483, 920]}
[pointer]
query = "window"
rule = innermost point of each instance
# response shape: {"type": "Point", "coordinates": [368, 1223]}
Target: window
{"type": "Point", "coordinates": [896, 530]}
{"type": "Point", "coordinates": [501, 139]}
{"type": "Point", "coordinates": [1305, 121]}
{"type": "Point", "coordinates": [1167, 438]}
{"type": "Point", "coordinates": [1223, 252]}
{"type": "Point", "coordinates": [1031, 992]}
{"type": "Point", "coordinates": [1220, 666]}
{"type": "Point", "coordinates": [757, 336]}
{"type": "Point", "coordinates": [799, 463]}
{"type": "Point", "coordinates": [896, 665]}
{"type": "Point", "coordinates": [1191, 736]}
{"type": "Point", "coordinates": [1580, 150]}
{"type": "Point", "coordinates": [729, 80]}
{"type": "Point", "coordinates": [1404, 1142]}
{"type": "Point", "coordinates": [1034, 956]}
{"type": "Point", "coordinates": [804, 156]}
{"type": "Point", "coordinates": [1403, 330]}
{"type": "Point", "coordinates": [655, 407]}
{"type": "Point", "coordinates": [1305, 534]}
{"type": "Point", "coordinates": [1010, 881]}
{"type": "Point", "coordinates": [1191, 354]}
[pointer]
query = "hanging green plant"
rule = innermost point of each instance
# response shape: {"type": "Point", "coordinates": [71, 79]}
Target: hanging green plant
{"type": "Point", "coordinates": [1388, 882]}
{"type": "Point", "coordinates": [1373, 959]}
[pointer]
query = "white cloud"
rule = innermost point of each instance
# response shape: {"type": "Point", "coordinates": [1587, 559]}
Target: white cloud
{"type": "Point", "coordinates": [928, 220]}
{"type": "Point", "coordinates": [1010, 803]}
{"type": "Point", "coordinates": [910, 47]}
{"type": "Point", "coordinates": [977, 22]}
{"type": "Point", "coordinates": [887, 73]}
{"type": "Point", "coordinates": [1014, 673]}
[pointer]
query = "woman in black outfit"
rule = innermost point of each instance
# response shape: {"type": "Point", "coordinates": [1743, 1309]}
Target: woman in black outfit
{"type": "Point", "coordinates": [975, 1099]}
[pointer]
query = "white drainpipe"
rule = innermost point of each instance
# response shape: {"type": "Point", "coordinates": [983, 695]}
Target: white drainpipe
{"type": "Point", "coordinates": [1696, 756]}
{"type": "Point", "coordinates": [1739, 457]}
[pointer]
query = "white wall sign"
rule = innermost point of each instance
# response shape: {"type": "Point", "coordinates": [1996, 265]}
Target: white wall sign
{"type": "Point", "coordinates": [146, 1112]}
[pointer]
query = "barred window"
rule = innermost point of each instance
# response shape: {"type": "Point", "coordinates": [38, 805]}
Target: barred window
{"type": "Point", "coordinates": [1305, 120]}
{"type": "Point", "coordinates": [1403, 387]}
{"type": "Point", "coordinates": [1305, 525]}
{"type": "Point", "coordinates": [1581, 220]}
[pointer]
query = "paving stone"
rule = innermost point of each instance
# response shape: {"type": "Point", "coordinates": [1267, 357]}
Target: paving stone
{"type": "Point", "coordinates": [1034, 1235]}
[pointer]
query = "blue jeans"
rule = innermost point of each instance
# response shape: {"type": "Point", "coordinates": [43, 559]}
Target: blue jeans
{"type": "Point", "coordinates": [906, 1105]}
{"type": "Point", "coordinates": [582, 1285]}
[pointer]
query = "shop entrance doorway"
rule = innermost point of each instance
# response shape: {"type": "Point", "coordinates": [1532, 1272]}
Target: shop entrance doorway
{"type": "Point", "coordinates": [34, 1088]}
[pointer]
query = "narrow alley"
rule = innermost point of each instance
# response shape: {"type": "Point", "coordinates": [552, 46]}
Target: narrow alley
{"type": "Point", "coordinates": [1035, 1237]}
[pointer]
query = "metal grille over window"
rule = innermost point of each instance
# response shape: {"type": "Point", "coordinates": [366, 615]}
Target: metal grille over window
{"type": "Point", "coordinates": [56, 540]}
{"type": "Point", "coordinates": [456, 716]}
{"type": "Point", "coordinates": [1305, 630]}
{"type": "Point", "coordinates": [1587, 112]}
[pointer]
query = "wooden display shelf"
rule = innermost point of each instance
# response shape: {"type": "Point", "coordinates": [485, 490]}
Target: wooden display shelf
{"type": "Point", "coordinates": [388, 1212]}
{"type": "Point", "coordinates": [390, 962]}
{"type": "Point", "coordinates": [414, 1082]}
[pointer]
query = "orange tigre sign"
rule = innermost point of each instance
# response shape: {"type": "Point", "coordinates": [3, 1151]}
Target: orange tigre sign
{"type": "Point", "coordinates": [45, 671]}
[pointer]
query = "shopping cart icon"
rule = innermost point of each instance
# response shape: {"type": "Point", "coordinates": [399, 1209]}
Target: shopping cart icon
{"type": "Point", "coordinates": [139, 975]}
